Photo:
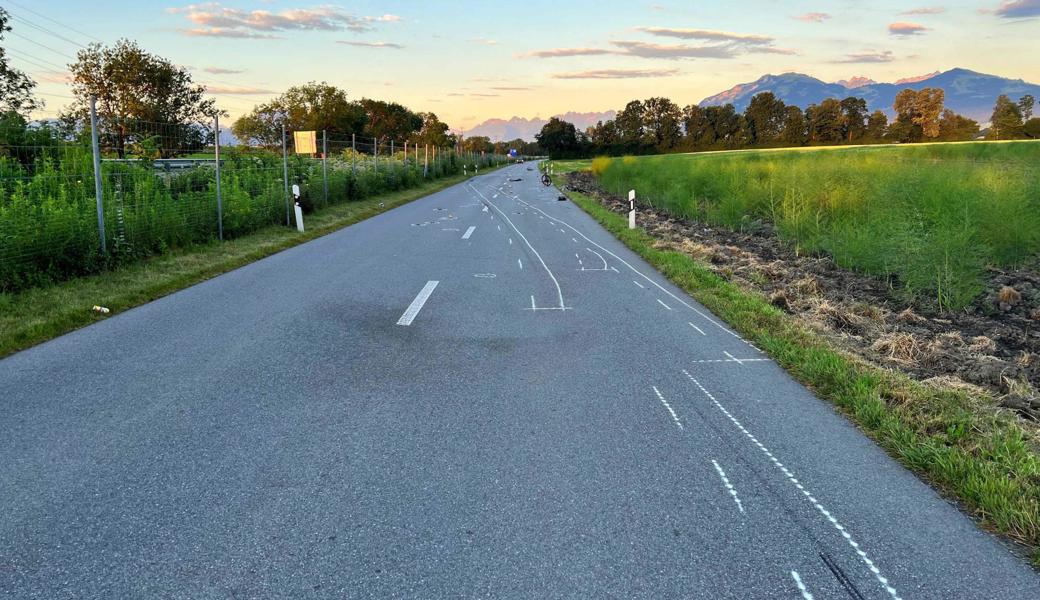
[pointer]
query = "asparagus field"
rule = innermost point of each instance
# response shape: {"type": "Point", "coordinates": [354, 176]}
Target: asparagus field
{"type": "Point", "coordinates": [930, 218]}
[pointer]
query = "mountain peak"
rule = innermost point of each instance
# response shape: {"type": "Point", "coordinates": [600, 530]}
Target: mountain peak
{"type": "Point", "coordinates": [919, 78]}
{"type": "Point", "coordinates": [855, 81]}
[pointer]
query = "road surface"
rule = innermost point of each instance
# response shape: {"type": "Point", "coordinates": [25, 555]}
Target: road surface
{"type": "Point", "coordinates": [478, 394]}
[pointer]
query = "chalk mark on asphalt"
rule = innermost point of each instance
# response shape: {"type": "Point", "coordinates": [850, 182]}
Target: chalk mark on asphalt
{"type": "Point", "coordinates": [729, 486]}
{"type": "Point", "coordinates": [816, 504]}
{"type": "Point", "coordinates": [675, 417]}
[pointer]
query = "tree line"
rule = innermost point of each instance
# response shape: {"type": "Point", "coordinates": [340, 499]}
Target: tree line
{"type": "Point", "coordinates": [659, 125]}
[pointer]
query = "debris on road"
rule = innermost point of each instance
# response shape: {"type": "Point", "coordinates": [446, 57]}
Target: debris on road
{"type": "Point", "coordinates": [101, 310]}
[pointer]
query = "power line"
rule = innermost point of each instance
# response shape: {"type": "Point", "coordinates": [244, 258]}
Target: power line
{"type": "Point", "coordinates": [44, 46]}
{"type": "Point", "coordinates": [43, 16]}
{"type": "Point", "coordinates": [37, 61]}
{"type": "Point", "coordinates": [25, 21]}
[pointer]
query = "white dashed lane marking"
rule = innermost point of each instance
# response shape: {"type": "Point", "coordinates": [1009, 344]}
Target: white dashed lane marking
{"type": "Point", "coordinates": [469, 232]}
{"type": "Point", "coordinates": [413, 309]}
{"type": "Point", "coordinates": [801, 586]}
{"type": "Point", "coordinates": [729, 486]}
{"type": "Point", "coordinates": [816, 504]}
{"type": "Point", "coordinates": [668, 406]}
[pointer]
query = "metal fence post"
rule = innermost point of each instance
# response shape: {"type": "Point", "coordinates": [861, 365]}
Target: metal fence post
{"type": "Point", "coordinates": [375, 153]}
{"type": "Point", "coordinates": [325, 163]}
{"type": "Point", "coordinates": [216, 153]}
{"type": "Point", "coordinates": [97, 174]}
{"type": "Point", "coordinates": [285, 175]}
{"type": "Point", "coordinates": [353, 155]}
{"type": "Point", "coordinates": [426, 161]}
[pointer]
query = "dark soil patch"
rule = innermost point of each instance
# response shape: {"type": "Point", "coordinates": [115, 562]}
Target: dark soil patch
{"type": "Point", "coordinates": [992, 346]}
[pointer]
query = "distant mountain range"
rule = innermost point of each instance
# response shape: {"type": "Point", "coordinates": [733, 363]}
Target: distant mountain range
{"type": "Point", "coordinates": [518, 127]}
{"type": "Point", "coordinates": [967, 92]}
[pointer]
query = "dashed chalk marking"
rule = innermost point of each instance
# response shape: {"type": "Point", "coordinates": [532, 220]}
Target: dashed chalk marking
{"type": "Point", "coordinates": [413, 309]}
{"type": "Point", "coordinates": [639, 284]}
{"type": "Point", "coordinates": [469, 232]}
{"type": "Point", "coordinates": [729, 486]}
{"type": "Point", "coordinates": [598, 255]}
{"type": "Point", "coordinates": [728, 360]}
{"type": "Point", "coordinates": [801, 586]}
{"type": "Point", "coordinates": [732, 357]}
{"type": "Point", "coordinates": [574, 240]}
{"type": "Point", "coordinates": [663, 304]}
{"type": "Point", "coordinates": [520, 262]}
{"type": "Point", "coordinates": [816, 504]}
{"type": "Point", "coordinates": [699, 330]}
{"type": "Point", "coordinates": [668, 406]}
{"type": "Point", "coordinates": [510, 241]}
{"type": "Point", "coordinates": [499, 227]}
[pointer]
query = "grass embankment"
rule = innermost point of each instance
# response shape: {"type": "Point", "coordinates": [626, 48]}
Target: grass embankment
{"type": "Point", "coordinates": [39, 314]}
{"type": "Point", "coordinates": [930, 217]}
{"type": "Point", "coordinates": [983, 459]}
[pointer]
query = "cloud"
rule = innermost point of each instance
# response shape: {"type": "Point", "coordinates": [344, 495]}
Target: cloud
{"type": "Point", "coordinates": [475, 94]}
{"type": "Point", "coordinates": [222, 71]}
{"type": "Point", "coordinates": [1018, 9]}
{"type": "Point", "coordinates": [484, 41]}
{"type": "Point", "coordinates": [227, 32]}
{"type": "Point", "coordinates": [54, 77]}
{"type": "Point", "coordinates": [213, 19]}
{"type": "Point", "coordinates": [867, 57]}
{"type": "Point", "coordinates": [813, 17]}
{"type": "Point", "coordinates": [925, 10]}
{"type": "Point", "coordinates": [558, 52]}
{"type": "Point", "coordinates": [617, 74]}
{"type": "Point", "coordinates": [235, 90]}
{"type": "Point", "coordinates": [772, 50]}
{"type": "Point", "coordinates": [388, 45]}
{"type": "Point", "coordinates": [905, 29]}
{"type": "Point", "coordinates": [709, 35]}
{"type": "Point", "coordinates": [506, 88]}
{"type": "Point", "coordinates": [669, 51]}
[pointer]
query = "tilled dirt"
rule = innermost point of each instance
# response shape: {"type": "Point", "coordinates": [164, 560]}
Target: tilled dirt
{"type": "Point", "coordinates": [992, 346]}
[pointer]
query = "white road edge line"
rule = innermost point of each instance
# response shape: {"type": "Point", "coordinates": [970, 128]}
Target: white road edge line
{"type": "Point", "coordinates": [729, 486]}
{"type": "Point", "coordinates": [816, 504]}
{"type": "Point", "coordinates": [636, 271]}
{"type": "Point", "coordinates": [801, 586]}
{"type": "Point", "coordinates": [469, 232]}
{"type": "Point", "coordinates": [668, 406]}
{"type": "Point", "coordinates": [417, 304]}
{"type": "Point", "coordinates": [559, 292]}
{"type": "Point", "coordinates": [699, 330]}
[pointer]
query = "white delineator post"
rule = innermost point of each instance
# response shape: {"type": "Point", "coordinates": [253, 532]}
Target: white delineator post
{"type": "Point", "coordinates": [631, 209]}
{"type": "Point", "coordinates": [298, 209]}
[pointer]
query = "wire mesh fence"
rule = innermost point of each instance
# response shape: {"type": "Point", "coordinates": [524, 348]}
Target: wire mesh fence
{"type": "Point", "coordinates": [159, 190]}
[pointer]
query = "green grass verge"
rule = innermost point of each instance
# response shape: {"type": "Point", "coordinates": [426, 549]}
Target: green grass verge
{"type": "Point", "coordinates": [39, 314]}
{"type": "Point", "coordinates": [980, 457]}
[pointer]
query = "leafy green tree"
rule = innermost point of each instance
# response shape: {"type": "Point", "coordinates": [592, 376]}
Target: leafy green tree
{"type": "Point", "coordinates": [1025, 104]}
{"type": "Point", "coordinates": [825, 122]}
{"type": "Point", "coordinates": [603, 135]}
{"type": "Point", "coordinates": [724, 126]}
{"type": "Point", "coordinates": [1031, 128]}
{"type": "Point", "coordinates": [794, 130]}
{"type": "Point", "coordinates": [390, 121]}
{"type": "Point", "coordinates": [629, 123]}
{"type": "Point", "coordinates": [433, 131]}
{"type": "Point", "coordinates": [853, 117]}
{"type": "Point", "coordinates": [17, 90]}
{"type": "Point", "coordinates": [877, 126]}
{"type": "Point", "coordinates": [764, 118]}
{"type": "Point", "coordinates": [956, 128]}
{"type": "Point", "coordinates": [920, 108]}
{"type": "Point", "coordinates": [1006, 122]}
{"type": "Point", "coordinates": [141, 97]}
{"type": "Point", "coordinates": [662, 123]}
{"type": "Point", "coordinates": [558, 138]}
{"type": "Point", "coordinates": [308, 107]}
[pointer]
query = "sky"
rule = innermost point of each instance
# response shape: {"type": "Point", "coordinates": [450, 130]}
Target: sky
{"type": "Point", "coordinates": [478, 60]}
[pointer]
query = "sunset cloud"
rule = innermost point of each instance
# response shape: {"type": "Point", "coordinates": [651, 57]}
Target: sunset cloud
{"type": "Point", "coordinates": [562, 52]}
{"type": "Point", "coordinates": [669, 51]}
{"type": "Point", "coordinates": [235, 90]}
{"type": "Point", "coordinates": [212, 19]}
{"type": "Point", "coordinates": [221, 71]}
{"type": "Point", "coordinates": [387, 45]}
{"type": "Point", "coordinates": [1018, 9]}
{"type": "Point", "coordinates": [904, 28]}
{"type": "Point", "coordinates": [617, 74]}
{"type": "Point", "coordinates": [813, 17]}
{"type": "Point", "coordinates": [925, 10]}
{"type": "Point", "coordinates": [708, 35]}
{"type": "Point", "coordinates": [868, 57]}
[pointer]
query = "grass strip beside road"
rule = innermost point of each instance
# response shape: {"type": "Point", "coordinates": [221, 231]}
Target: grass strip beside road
{"type": "Point", "coordinates": [35, 315]}
{"type": "Point", "coordinates": [981, 458]}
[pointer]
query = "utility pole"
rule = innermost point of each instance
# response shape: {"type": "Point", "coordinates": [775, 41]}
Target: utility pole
{"type": "Point", "coordinates": [285, 175]}
{"type": "Point", "coordinates": [97, 174]}
{"type": "Point", "coordinates": [216, 155]}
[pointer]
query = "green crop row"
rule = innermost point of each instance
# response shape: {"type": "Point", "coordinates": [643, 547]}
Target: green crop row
{"type": "Point", "coordinates": [931, 218]}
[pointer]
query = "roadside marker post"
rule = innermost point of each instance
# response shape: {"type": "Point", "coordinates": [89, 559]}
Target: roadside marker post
{"type": "Point", "coordinates": [216, 156]}
{"type": "Point", "coordinates": [98, 194]}
{"type": "Point", "coordinates": [631, 209]}
{"type": "Point", "coordinates": [298, 208]}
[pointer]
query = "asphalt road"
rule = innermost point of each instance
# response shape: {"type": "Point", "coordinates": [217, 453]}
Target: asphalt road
{"type": "Point", "coordinates": [550, 419]}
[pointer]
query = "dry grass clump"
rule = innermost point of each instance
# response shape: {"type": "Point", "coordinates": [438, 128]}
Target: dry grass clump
{"type": "Point", "coordinates": [1008, 297]}
{"type": "Point", "coordinates": [900, 347]}
{"type": "Point", "coordinates": [780, 299]}
{"type": "Point", "coordinates": [909, 316]}
{"type": "Point", "coordinates": [981, 344]}
{"type": "Point", "coordinates": [1035, 315]}
{"type": "Point", "coordinates": [807, 286]}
